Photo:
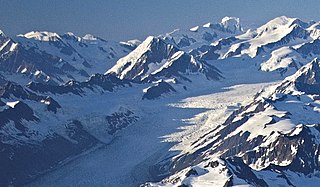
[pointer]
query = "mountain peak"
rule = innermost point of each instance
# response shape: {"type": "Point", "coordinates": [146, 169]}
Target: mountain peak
{"type": "Point", "coordinates": [231, 23]}
{"type": "Point", "coordinates": [41, 35]}
{"type": "Point", "coordinates": [155, 58]}
{"type": "Point", "coordinates": [133, 42]}
{"type": "Point", "coordinates": [314, 26]}
{"type": "Point", "coordinates": [311, 70]}
{"type": "Point", "coordinates": [227, 24]}
{"type": "Point", "coordinates": [3, 37]}
{"type": "Point", "coordinates": [150, 40]}
{"type": "Point", "coordinates": [148, 43]}
{"type": "Point", "coordinates": [89, 37]}
{"type": "Point", "coordinates": [276, 22]}
{"type": "Point", "coordinates": [71, 36]}
{"type": "Point", "coordinates": [282, 19]}
{"type": "Point", "coordinates": [306, 79]}
{"type": "Point", "coordinates": [152, 50]}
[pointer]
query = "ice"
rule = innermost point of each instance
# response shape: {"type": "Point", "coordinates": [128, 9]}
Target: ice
{"type": "Point", "coordinates": [182, 117]}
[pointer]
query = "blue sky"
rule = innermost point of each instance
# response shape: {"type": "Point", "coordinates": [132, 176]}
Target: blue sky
{"type": "Point", "coordinates": [128, 19]}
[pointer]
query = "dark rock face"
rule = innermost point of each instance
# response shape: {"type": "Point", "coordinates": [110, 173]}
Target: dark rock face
{"type": "Point", "coordinates": [309, 80]}
{"type": "Point", "coordinates": [237, 51]}
{"type": "Point", "coordinates": [226, 41]}
{"type": "Point", "coordinates": [185, 64]}
{"type": "Point", "coordinates": [310, 48]}
{"type": "Point", "coordinates": [56, 59]}
{"type": "Point", "coordinates": [26, 160]}
{"type": "Point", "coordinates": [21, 111]}
{"type": "Point", "coordinates": [305, 160]}
{"type": "Point", "coordinates": [106, 82]}
{"type": "Point", "coordinates": [198, 51]}
{"type": "Point", "coordinates": [209, 37]}
{"type": "Point", "coordinates": [191, 172]}
{"type": "Point", "coordinates": [239, 168]}
{"type": "Point", "coordinates": [22, 163]}
{"type": "Point", "coordinates": [175, 63]}
{"type": "Point", "coordinates": [21, 58]}
{"type": "Point", "coordinates": [296, 151]}
{"type": "Point", "coordinates": [157, 90]}
{"type": "Point", "coordinates": [209, 52]}
{"type": "Point", "coordinates": [53, 105]}
{"type": "Point", "coordinates": [13, 90]}
{"type": "Point", "coordinates": [301, 149]}
{"type": "Point", "coordinates": [185, 41]}
{"type": "Point", "coordinates": [17, 91]}
{"type": "Point", "coordinates": [2, 103]}
{"type": "Point", "coordinates": [64, 48]}
{"type": "Point", "coordinates": [243, 171]}
{"type": "Point", "coordinates": [158, 50]}
{"type": "Point", "coordinates": [220, 27]}
{"type": "Point", "coordinates": [70, 87]}
{"type": "Point", "coordinates": [120, 120]}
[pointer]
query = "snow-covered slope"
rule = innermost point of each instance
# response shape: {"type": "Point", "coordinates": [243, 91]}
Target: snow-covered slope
{"type": "Point", "coordinates": [41, 126]}
{"type": "Point", "coordinates": [283, 44]}
{"type": "Point", "coordinates": [233, 171]}
{"type": "Point", "coordinates": [291, 57]}
{"type": "Point", "coordinates": [90, 53]}
{"type": "Point", "coordinates": [205, 34]}
{"type": "Point", "coordinates": [50, 58]}
{"type": "Point", "coordinates": [277, 32]}
{"type": "Point", "coordinates": [154, 59]}
{"type": "Point", "coordinates": [277, 135]}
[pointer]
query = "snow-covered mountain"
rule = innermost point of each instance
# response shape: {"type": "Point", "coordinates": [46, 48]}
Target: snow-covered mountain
{"type": "Point", "coordinates": [49, 58]}
{"type": "Point", "coordinates": [274, 140]}
{"type": "Point", "coordinates": [204, 35]}
{"type": "Point", "coordinates": [41, 126]}
{"type": "Point", "coordinates": [277, 32]}
{"type": "Point", "coordinates": [68, 98]}
{"type": "Point", "coordinates": [91, 53]}
{"type": "Point", "coordinates": [283, 44]}
{"type": "Point", "coordinates": [155, 59]}
{"type": "Point", "coordinates": [292, 57]}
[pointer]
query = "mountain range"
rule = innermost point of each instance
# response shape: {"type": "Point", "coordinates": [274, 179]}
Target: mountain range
{"type": "Point", "coordinates": [215, 105]}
